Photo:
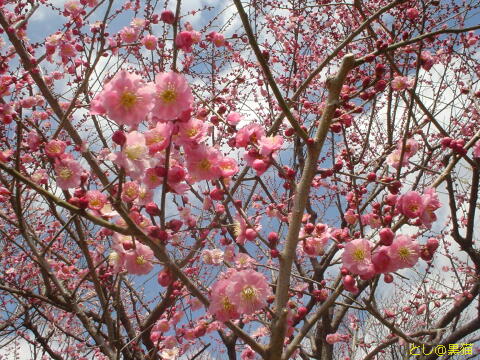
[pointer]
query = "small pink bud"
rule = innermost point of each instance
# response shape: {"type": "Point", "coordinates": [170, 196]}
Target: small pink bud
{"type": "Point", "coordinates": [386, 236]}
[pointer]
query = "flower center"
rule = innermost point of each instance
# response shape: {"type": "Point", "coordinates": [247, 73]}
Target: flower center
{"type": "Point", "coordinates": [404, 253]}
{"type": "Point", "coordinates": [205, 165]}
{"type": "Point", "coordinates": [192, 132]}
{"type": "Point", "coordinates": [135, 152]}
{"type": "Point", "coordinates": [249, 293]}
{"type": "Point", "coordinates": [155, 139]}
{"type": "Point", "coordinates": [168, 95]}
{"type": "Point", "coordinates": [359, 255]}
{"type": "Point", "coordinates": [65, 173]}
{"type": "Point", "coordinates": [226, 304]}
{"type": "Point", "coordinates": [140, 260]}
{"type": "Point", "coordinates": [128, 99]}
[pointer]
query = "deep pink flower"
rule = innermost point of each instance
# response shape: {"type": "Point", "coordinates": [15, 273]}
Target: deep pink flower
{"type": "Point", "coordinates": [126, 99]}
{"type": "Point", "coordinates": [404, 252]}
{"type": "Point", "coordinates": [221, 305]}
{"type": "Point", "coordinates": [173, 96]}
{"type": "Point", "coordinates": [248, 291]}
{"type": "Point", "coordinates": [357, 257]}
{"type": "Point", "coordinates": [130, 191]}
{"type": "Point", "coordinates": [138, 260]}
{"type": "Point", "coordinates": [410, 204]}
{"type": "Point", "coordinates": [381, 260]}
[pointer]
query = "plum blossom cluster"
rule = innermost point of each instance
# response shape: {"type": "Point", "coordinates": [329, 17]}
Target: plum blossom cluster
{"type": "Point", "coordinates": [167, 104]}
{"type": "Point", "coordinates": [361, 257]}
{"type": "Point", "coordinates": [261, 149]}
{"type": "Point", "coordinates": [238, 292]}
{"type": "Point", "coordinates": [420, 207]}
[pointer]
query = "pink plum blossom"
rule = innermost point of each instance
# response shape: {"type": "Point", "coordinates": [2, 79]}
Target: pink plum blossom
{"type": "Point", "coordinates": [203, 162]}
{"type": "Point", "coordinates": [126, 99]}
{"type": "Point", "coordinates": [249, 134]}
{"type": "Point", "coordinates": [68, 172]}
{"type": "Point", "coordinates": [357, 257]}
{"type": "Point", "coordinates": [410, 204]}
{"type": "Point", "coordinates": [221, 305]}
{"type": "Point", "coordinates": [173, 96]}
{"type": "Point", "coordinates": [248, 291]}
{"type": "Point", "coordinates": [138, 260]}
{"type": "Point", "coordinates": [191, 132]}
{"type": "Point", "coordinates": [55, 148]}
{"type": "Point", "coordinates": [150, 42]}
{"type": "Point", "coordinates": [404, 252]}
{"type": "Point", "coordinates": [158, 138]}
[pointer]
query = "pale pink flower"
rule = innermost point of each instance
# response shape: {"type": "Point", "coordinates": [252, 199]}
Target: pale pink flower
{"type": "Point", "coordinates": [411, 147]}
{"type": "Point", "coordinates": [40, 176]}
{"type": "Point", "coordinates": [138, 260]}
{"type": "Point", "coordinates": [394, 159]}
{"type": "Point", "coordinates": [126, 99]}
{"type": "Point", "coordinates": [68, 172]}
{"type": "Point", "coordinates": [426, 60]}
{"type": "Point", "coordinates": [476, 149]}
{"type": "Point", "coordinates": [243, 261]}
{"type": "Point", "coordinates": [249, 134]}
{"type": "Point", "coordinates": [212, 257]}
{"type": "Point", "coordinates": [73, 7]}
{"type": "Point", "coordinates": [153, 177]}
{"type": "Point", "coordinates": [55, 148]}
{"type": "Point", "coordinates": [270, 145]}
{"type": "Point", "coordinates": [133, 155]}
{"type": "Point", "coordinates": [130, 191]}
{"type": "Point", "coordinates": [357, 257]}
{"type": "Point", "coordinates": [233, 118]}
{"type": "Point", "coordinates": [173, 96]}
{"type": "Point", "coordinates": [191, 132]}
{"type": "Point", "coordinates": [404, 252]}
{"type": "Point", "coordinates": [410, 204]}
{"type": "Point", "coordinates": [150, 42]}
{"type": "Point", "coordinates": [228, 167]}
{"type": "Point", "coordinates": [400, 83]}
{"type": "Point", "coordinates": [221, 305]}
{"type": "Point", "coordinates": [33, 140]}
{"type": "Point", "coordinates": [96, 199]}
{"type": "Point", "coordinates": [350, 217]}
{"type": "Point", "coordinates": [336, 337]}
{"type": "Point", "coordinates": [430, 204]}
{"type": "Point", "coordinates": [129, 34]}
{"type": "Point", "coordinates": [248, 291]}
{"type": "Point", "coordinates": [158, 138]}
{"type": "Point", "coordinates": [203, 162]}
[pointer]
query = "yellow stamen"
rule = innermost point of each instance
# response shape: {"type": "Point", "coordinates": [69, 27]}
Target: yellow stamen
{"type": "Point", "coordinates": [128, 99]}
